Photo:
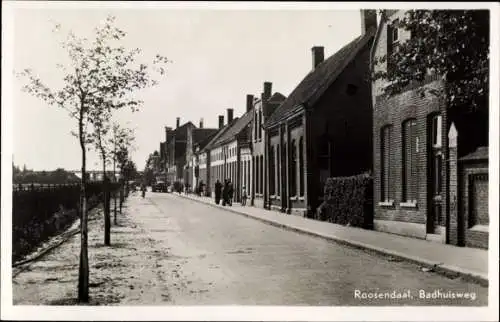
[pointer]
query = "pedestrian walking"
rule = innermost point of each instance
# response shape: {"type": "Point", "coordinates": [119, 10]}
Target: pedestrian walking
{"type": "Point", "coordinates": [243, 196]}
{"type": "Point", "coordinates": [218, 191]}
{"type": "Point", "coordinates": [225, 193]}
{"type": "Point", "coordinates": [230, 192]}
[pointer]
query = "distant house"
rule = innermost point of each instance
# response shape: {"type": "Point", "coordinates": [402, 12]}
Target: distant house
{"type": "Point", "coordinates": [176, 151]}
{"type": "Point", "coordinates": [218, 155]}
{"type": "Point", "coordinates": [417, 172]}
{"type": "Point", "coordinates": [324, 128]}
{"type": "Point", "coordinates": [263, 108]}
{"type": "Point", "coordinates": [195, 136]}
{"type": "Point", "coordinates": [230, 148]}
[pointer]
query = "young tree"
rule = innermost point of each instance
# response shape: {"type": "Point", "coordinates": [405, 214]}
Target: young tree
{"type": "Point", "coordinates": [100, 119]}
{"type": "Point", "coordinates": [453, 44]}
{"type": "Point", "coordinates": [120, 143]}
{"type": "Point", "coordinates": [101, 76]}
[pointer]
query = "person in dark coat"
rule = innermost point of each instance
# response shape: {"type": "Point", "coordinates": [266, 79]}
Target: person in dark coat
{"type": "Point", "coordinates": [230, 192]}
{"type": "Point", "coordinates": [218, 191]}
{"type": "Point", "coordinates": [225, 193]}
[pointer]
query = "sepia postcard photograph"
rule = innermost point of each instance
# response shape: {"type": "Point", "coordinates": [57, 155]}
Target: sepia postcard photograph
{"type": "Point", "coordinates": [291, 161]}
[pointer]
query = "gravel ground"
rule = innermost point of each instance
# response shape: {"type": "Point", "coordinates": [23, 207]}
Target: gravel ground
{"type": "Point", "coordinates": [172, 251]}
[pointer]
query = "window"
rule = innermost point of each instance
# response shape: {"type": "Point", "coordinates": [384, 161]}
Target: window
{"type": "Point", "coordinates": [392, 44]}
{"type": "Point", "coordinates": [271, 170]}
{"type": "Point", "coordinates": [301, 166]}
{"type": "Point", "coordinates": [293, 169]}
{"type": "Point", "coordinates": [260, 124]}
{"type": "Point", "coordinates": [278, 170]}
{"type": "Point", "coordinates": [351, 89]}
{"type": "Point", "coordinates": [409, 161]}
{"type": "Point", "coordinates": [261, 163]}
{"type": "Point", "coordinates": [256, 122]}
{"type": "Point", "coordinates": [436, 131]}
{"type": "Point", "coordinates": [385, 164]}
{"type": "Point", "coordinates": [257, 175]}
{"type": "Point", "coordinates": [249, 183]}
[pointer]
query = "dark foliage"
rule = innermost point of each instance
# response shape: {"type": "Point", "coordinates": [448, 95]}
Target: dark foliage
{"type": "Point", "coordinates": [348, 201]}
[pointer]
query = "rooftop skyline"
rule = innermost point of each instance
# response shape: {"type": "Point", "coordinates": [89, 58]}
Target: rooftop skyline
{"type": "Point", "coordinates": [218, 57]}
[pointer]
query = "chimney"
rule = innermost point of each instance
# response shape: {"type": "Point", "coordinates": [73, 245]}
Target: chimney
{"type": "Point", "coordinates": [178, 122]}
{"type": "Point", "coordinates": [368, 20]}
{"type": "Point", "coordinates": [167, 131]}
{"type": "Point", "coordinates": [249, 102]}
{"type": "Point", "coordinates": [221, 121]}
{"type": "Point", "coordinates": [318, 55]}
{"type": "Point", "coordinates": [268, 86]}
{"type": "Point", "coordinates": [201, 123]}
{"type": "Point", "coordinates": [229, 115]}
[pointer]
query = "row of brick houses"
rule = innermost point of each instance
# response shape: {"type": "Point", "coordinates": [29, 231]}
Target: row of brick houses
{"type": "Point", "coordinates": [335, 123]}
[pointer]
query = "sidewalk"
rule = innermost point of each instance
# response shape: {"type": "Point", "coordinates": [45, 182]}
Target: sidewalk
{"type": "Point", "coordinates": [466, 262]}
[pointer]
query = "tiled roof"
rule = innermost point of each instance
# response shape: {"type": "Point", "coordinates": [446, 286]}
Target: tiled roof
{"type": "Point", "coordinates": [202, 134]}
{"type": "Point", "coordinates": [238, 126]}
{"type": "Point", "coordinates": [210, 145]}
{"type": "Point", "coordinates": [312, 87]}
{"type": "Point", "coordinates": [204, 142]}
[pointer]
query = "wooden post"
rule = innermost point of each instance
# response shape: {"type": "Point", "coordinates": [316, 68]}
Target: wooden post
{"type": "Point", "coordinates": [456, 223]}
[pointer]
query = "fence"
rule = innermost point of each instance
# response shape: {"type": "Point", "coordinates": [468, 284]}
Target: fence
{"type": "Point", "coordinates": [41, 211]}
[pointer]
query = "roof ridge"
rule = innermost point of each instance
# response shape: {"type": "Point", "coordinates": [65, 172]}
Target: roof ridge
{"type": "Point", "coordinates": [316, 81]}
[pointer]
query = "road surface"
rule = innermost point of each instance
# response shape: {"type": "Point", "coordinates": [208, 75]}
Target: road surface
{"type": "Point", "coordinates": [168, 250]}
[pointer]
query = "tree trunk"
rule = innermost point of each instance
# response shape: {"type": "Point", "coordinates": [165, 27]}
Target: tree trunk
{"type": "Point", "coordinates": [107, 214]}
{"type": "Point", "coordinates": [83, 273]}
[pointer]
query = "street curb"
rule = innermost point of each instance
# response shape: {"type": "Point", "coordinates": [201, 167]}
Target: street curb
{"type": "Point", "coordinates": [438, 267]}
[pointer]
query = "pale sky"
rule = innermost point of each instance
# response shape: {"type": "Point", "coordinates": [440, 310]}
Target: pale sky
{"type": "Point", "coordinates": [218, 57]}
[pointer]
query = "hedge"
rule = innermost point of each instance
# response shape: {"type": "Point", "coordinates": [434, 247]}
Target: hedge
{"type": "Point", "coordinates": [348, 201]}
{"type": "Point", "coordinates": [41, 212]}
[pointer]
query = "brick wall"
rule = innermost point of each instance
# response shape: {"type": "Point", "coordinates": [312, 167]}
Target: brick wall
{"type": "Point", "coordinates": [394, 111]}
{"type": "Point", "coordinates": [474, 180]}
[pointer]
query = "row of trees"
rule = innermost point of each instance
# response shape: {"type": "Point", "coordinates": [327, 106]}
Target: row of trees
{"type": "Point", "coordinates": [100, 79]}
{"type": "Point", "coordinates": [58, 176]}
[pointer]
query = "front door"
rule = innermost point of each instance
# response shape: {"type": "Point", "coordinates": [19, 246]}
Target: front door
{"type": "Point", "coordinates": [435, 218]}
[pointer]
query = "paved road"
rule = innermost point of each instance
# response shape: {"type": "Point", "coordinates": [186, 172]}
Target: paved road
{"type": "Point", "coordinates": [167, 250]}
{"type": "Point", "coordinates": [223, 258]}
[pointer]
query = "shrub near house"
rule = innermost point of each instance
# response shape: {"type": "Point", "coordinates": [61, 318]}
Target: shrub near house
{"type": "Point", "coordinates": [348, 201]}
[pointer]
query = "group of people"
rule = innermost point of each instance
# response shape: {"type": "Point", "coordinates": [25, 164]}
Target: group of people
{"type": "Point", "coordinates": [226, 193]}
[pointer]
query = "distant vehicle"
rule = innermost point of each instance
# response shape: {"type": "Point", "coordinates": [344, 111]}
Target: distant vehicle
{"type": "Point", "coordinates": [159, 186]}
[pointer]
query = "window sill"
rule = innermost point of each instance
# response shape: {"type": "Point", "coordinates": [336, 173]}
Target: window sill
{"type": "Point", "coordinates": [483, 228]}
{"type": "Point", "coordinates": [409, 204]}
{"type": "Point", "coordinates": [389, 203]}
{"type": "Point", "coordinates": [301, 198]}
{"type": "Point", "coordinates": [274, 197]}
{"type": "Point", "coordinates": [294, 198]}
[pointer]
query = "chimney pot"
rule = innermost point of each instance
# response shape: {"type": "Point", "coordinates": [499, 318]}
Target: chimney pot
{"type": "Point", "coordinates": [229, 115]}
{"type": "Point", "coordinates": [178, 123]}
{"type": "Point", "coordinates": [221, 121]}
{"type": "Point", "coordinates": [249, 102]}
{"type": "Point", "coordinates": [368, 20]}
{"type": "Point", "coordinates": [318, 55]}
{"type": "Point", "coordinates": [201, 123]}
{"type": "Point", "coordinates": [268, 87]}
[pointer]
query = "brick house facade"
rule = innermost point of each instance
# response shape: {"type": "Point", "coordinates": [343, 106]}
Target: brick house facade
{"type": "Point", "coordinates": [176, 151]}
{"type": "Point", "coordinates": [323, 129]}
{"type": "Point", "coordinates": [195, 137]}
{"type": "Point", "coordinates": [414, 190]}
{"type": "Point", "coordinates": [263, 108]}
